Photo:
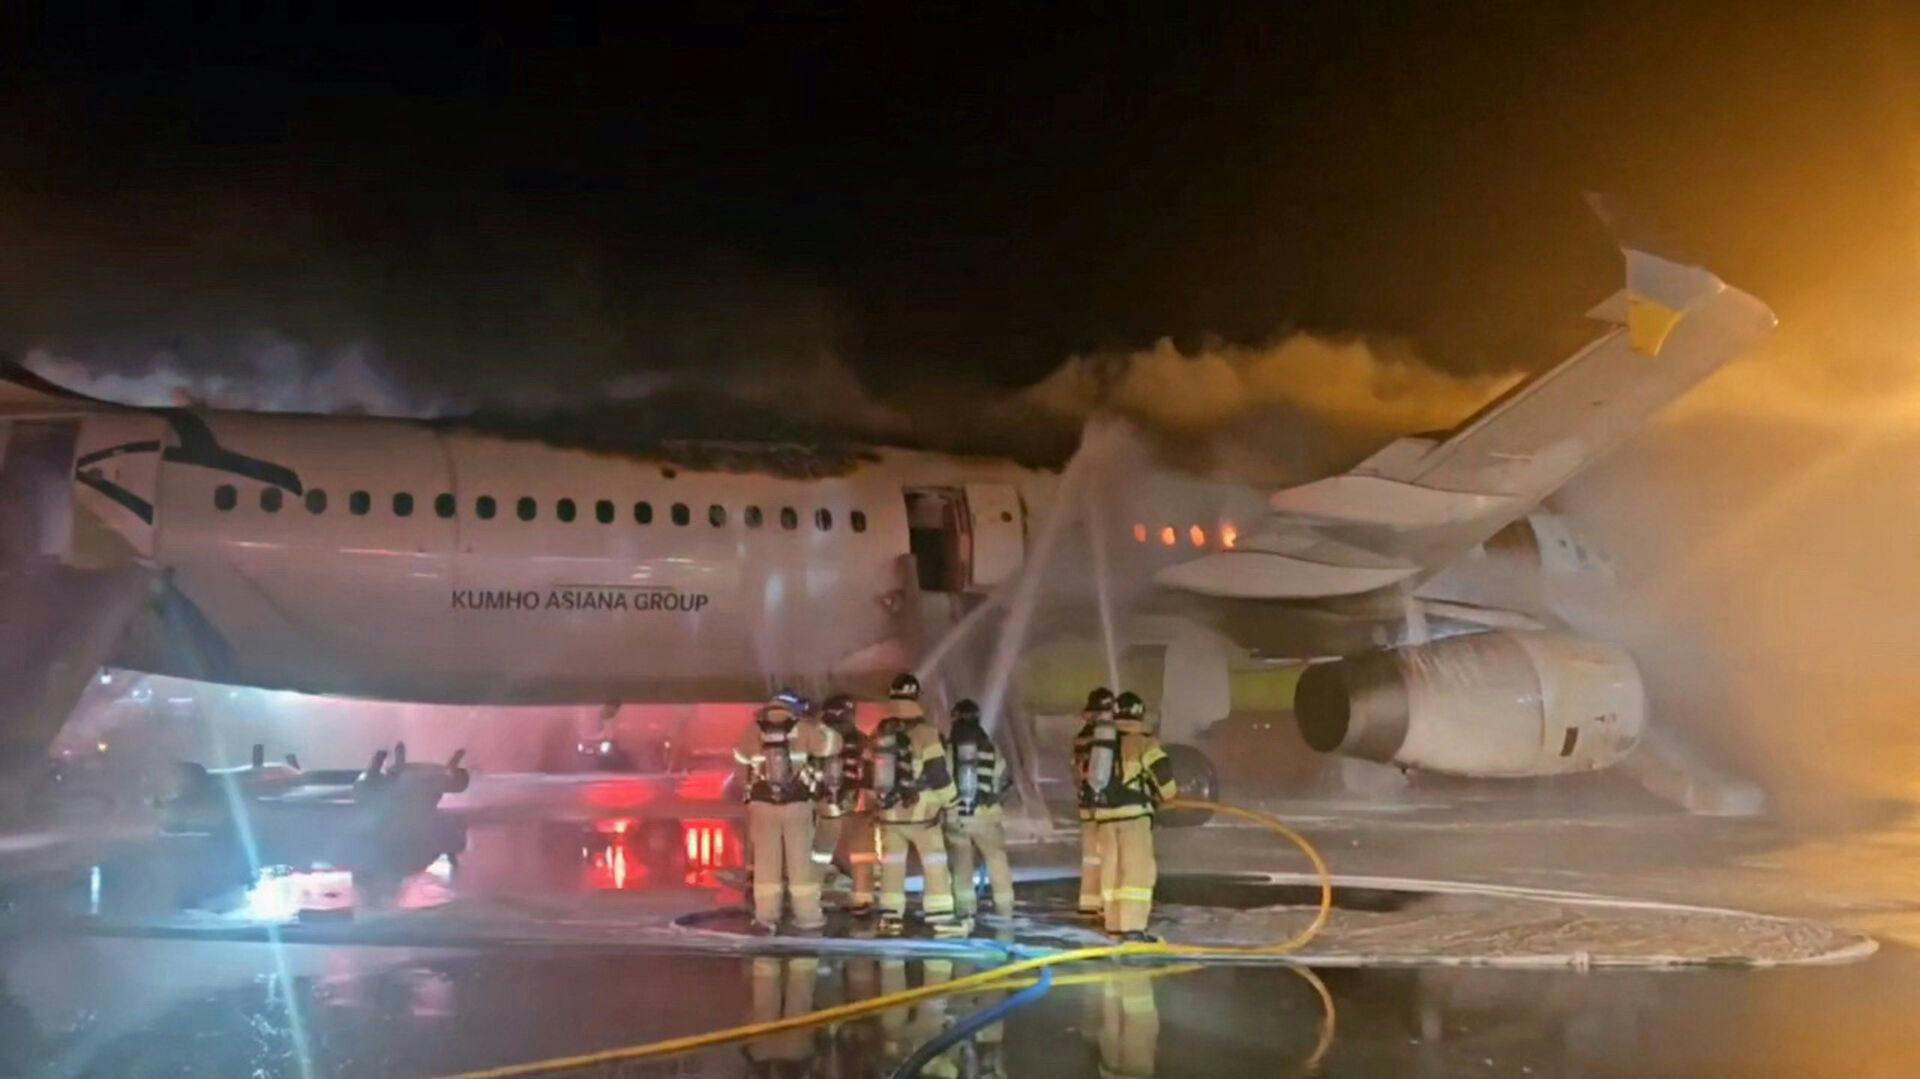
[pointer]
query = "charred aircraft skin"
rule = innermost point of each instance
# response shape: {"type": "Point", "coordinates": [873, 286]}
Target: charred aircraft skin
{"type": "Point", "coordinates": [456, 563]}
{"type": "Point", "coordinates": [616, 577]}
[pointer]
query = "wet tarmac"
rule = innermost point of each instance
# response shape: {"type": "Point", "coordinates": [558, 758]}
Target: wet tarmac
{"type": "Point", "coordinates": [120, 1007]}
{"type": "Point", "coordinates": [521, 928]}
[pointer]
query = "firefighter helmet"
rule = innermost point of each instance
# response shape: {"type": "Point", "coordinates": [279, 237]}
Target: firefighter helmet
{"type": "Point", "coordinates": [793, 701]}
{"type": "Point", "coordinates": [837, 709]}
{"type": "Point", "coordinates": [1128, 705]}
{"type": "Point", "coordinates": [905, 688]}
{"type": "Point", "coordinates": [1100, 700]}
{"type": "Point", "coordinates": [966, 712]}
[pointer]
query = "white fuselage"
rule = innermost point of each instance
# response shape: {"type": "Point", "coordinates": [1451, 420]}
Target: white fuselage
{"type": "Point", "coordinates": [525, 573]}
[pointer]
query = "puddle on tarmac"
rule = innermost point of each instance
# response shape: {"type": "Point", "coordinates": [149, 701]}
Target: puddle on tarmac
{"type": "Point", "coordinates": [315, 873]}
{"type": "Point", "coordinates": [87, 1006]}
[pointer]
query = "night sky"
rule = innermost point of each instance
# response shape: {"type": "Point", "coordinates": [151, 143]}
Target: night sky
{"type": "Point", "coordinates": [959, 199]}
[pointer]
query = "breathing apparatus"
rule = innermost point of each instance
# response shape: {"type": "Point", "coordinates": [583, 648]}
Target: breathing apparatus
{"type": "Point", "coordinates": [1103, 750]}
{"type": "Point", "coordinates": [777, 770]}
{"type": "Point", "coordinates": [974, 759]}
{"type": "Point", "coordinates": [841, 772]}
{"type": "Point", "coordinates": [890, 774]}
{"type": "Point", "coordinates": [891, 757]}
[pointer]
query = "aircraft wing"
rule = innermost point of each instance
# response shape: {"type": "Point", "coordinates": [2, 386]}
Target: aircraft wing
{"type": "Point", "coordinates": [1420, 503]}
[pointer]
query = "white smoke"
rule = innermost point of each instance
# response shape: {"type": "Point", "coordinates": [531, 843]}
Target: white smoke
{"type": "Point", "coordinates": [273, 373]}
{"type": "Point", "coordinates": [1769, 585]}
{"type": "Point", "coordinates": [1277, 413]}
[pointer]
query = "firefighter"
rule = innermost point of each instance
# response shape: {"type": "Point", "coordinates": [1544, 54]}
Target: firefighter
{"type": "Point", "coordinates": [905, 1029]}
{"type": "Point", "coordinates": [841, 814]}
{"type": "Point", "coordinates": [776, 754]}
{"type": "Point", "coordinates": [782, 989]}
{"type": "Point", "coordinates": [1099, 710]}
{"type": "Point", "coordinates": [980, 783]}
{"type": "Point", "coordinates": [912, 784]}
{"type": "Point", "coordinates": [1129, 1027]}
{"type": "Point", "coordinates": [1129, 778]}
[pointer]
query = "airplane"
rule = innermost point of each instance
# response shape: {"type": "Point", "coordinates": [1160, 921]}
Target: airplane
{"type": "Point", "coordinates": [458, 561]}
{"type": "Point", "coordinates": [391, 788]}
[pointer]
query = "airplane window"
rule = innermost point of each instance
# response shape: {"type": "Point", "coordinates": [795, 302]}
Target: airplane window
{"type": "Point", "coordinates": [270, 499]}
{"type": "Point", "coordinates": [444, 505]}
{"type": "Point", "coordinates": [564, 509]}
{"type": "Point", "coordinates": [403, 505]}
{"type": "Point", "coordinates": [717, 515]}
{"type": "Point", "coordinates": [753, 516]}
{"type": "Point", "coordinates": [526, 509]}
{"type": "Point", "coordinates": [316, 501]}
{"type": "Point", "coordinates": [359, 502]}
{"type": "Point", "coordinates": [858, 519]}
{"type": "Point", "coordinates": [603, 512]}
{"type": "Point", "coordinates": [823, 519]}
{"type": "Point", "coordinates": [643, 512]}
{"type": "Point", "coordinates": [485, 507]}
{"type": "Point", "coordinates": [681, 515]}
{"type": "Point", "coordinates": [789, 520]}
{"type": "Point", "coordinates": [225, 497]}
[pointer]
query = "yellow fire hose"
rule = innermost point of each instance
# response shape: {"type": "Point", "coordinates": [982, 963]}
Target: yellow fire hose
{"type": "Point", "coordinates": [997, 978]}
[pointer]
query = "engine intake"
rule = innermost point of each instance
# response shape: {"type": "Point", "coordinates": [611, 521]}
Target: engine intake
{"type": "Point", "coordinates": [1487, 704]}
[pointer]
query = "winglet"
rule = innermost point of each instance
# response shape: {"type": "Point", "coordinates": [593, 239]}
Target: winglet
{"type": "Point", "coordinates": [1662, 285]}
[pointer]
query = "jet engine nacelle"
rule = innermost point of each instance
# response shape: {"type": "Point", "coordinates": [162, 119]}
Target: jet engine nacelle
{"type": "Point", "coordinates": [1487, 704]}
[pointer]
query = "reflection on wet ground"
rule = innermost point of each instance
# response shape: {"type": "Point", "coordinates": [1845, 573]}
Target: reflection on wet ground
{"type": "Point", "coordinates": [412, 864]}
{"type": "Point", "coordinates": [76, 1000]}
{"type": "Point", "coordinates": [75, 1006]}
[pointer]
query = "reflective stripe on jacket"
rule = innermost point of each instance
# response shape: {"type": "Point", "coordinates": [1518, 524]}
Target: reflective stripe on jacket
{"type": "Point", "coordinates": [932, 775]}
{"type": "Point", "coordinates": [1146, 776]}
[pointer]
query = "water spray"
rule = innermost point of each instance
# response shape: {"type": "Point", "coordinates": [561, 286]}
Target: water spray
{"type": "Point", "coordinates": [1102, 585]}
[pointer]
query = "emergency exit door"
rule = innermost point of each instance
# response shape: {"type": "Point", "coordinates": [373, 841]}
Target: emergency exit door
{"type": "Point", "coordinates": [965, 539]}
{"type": "Point", "coordinates": [36, 487]}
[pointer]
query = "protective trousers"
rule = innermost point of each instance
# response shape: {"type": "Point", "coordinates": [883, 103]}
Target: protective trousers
{"type": "Point", "coordinates": [990, 835]}
{"type": "Point", "coordinates": [850, 835]}
{"type": "Point", "coordinates": [1129, 1027]}
{"type": "Point", "coordinates": [782, 840]}
{"type": "Point", "coordinates": [782, 989]}
{"type": "Point", "coordinates": [1127, 872]}
{"type": "Point", "coordinates": [1090, 902]}
{"type": "Point", "coordinates": [923, 837]}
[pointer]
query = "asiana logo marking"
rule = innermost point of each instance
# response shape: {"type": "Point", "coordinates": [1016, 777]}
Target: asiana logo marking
{"type": "Point", "coordinates": [577, 599]}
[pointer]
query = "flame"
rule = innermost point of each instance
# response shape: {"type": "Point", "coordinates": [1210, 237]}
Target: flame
{"type": "Point", "coordinates": [1197, 536]}
{"type": "Point", "coordinates": [1229, 535]}
{"type": "Point", "coordinates": [1167, 536]}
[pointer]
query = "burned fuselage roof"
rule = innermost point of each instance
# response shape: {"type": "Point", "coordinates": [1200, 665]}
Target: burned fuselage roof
{"type": "Point", "coordinates": [709, 433]}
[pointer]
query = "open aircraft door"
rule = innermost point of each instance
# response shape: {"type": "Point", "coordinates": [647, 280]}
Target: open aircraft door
{"type": "Point", "coordinates": [966, 539]}
{"type": "Point", "coordinates": [76, 530]}
{"type": "Point", "coordinates": [999, 534]}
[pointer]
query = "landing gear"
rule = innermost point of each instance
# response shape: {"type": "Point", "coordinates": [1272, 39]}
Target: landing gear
{"type": "Point", "coordinates": [1198, 781]}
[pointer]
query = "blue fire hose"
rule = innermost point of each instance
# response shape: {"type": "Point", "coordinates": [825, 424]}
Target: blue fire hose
{"type": "Point", "coordinates": [973, 1024]}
